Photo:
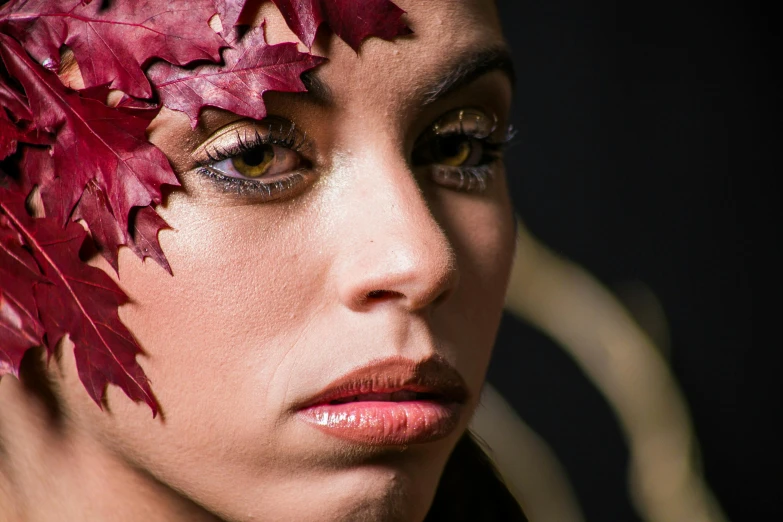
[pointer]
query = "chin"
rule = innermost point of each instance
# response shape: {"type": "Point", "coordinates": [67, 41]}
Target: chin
{"type": "Point", "coordinates": [375, 493]}
{"type": "Point", "coordinates": [396, 485]}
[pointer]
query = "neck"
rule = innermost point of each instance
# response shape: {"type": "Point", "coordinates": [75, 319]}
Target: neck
{"type": "Point", "coordinates": [51, 472]}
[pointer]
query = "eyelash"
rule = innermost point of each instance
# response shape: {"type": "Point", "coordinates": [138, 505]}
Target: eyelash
{"type": "Point", "coordinates": [469, 179]}
{"type": "Point", "coordinates": [267, 190]}
{"type": "Point", "coordinates": [275, 137]}
{"type": "Point", "coordinates": [475, 178]}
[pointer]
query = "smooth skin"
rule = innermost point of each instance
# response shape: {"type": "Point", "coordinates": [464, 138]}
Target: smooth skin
{"type": "Point", "coordinates": [272, 300]}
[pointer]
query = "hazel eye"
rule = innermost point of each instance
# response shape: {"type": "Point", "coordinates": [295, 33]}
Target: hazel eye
{"type": "Point", "coordinates": [456, 151]}
{"type": "Point", "coordinates": [460, 150]}
{"type": "Point", "coordinates": [258, 161]}
{"type": "Point", "coordinates": [262, 160]}
{"type": "Point", "coordinates": [254, 163]}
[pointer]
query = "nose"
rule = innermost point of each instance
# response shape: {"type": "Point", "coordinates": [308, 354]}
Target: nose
{"type": "Point", "coordinates": [397, 253]}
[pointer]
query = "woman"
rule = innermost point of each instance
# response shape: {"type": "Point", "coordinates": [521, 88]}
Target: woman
{"type": "Point", "coordinates": [339, 271]}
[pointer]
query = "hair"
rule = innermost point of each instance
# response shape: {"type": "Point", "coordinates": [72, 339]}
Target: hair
{"type": "Point", "coordinates": [471, 489]}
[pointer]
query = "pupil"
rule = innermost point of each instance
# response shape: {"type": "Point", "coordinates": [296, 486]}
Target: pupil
{"type": "Point", "coordinates": [451, 147]}
{"type": "Point", "coordinates": [256, 157]}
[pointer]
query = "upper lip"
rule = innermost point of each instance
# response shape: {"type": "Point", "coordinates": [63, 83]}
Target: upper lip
{"type": "Point", "coordinates": [432, 375]}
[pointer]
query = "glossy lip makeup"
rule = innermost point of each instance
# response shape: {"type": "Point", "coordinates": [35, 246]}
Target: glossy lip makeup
{"type": "Point", "coordinates": [394, 401]}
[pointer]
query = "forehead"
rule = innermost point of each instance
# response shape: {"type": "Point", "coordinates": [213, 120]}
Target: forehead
{"type": "Point", "coordinates": [445, 34]}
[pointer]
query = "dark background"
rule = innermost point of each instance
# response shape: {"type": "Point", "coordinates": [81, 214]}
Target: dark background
{"type": "Point", "coordinates": [645, 154]}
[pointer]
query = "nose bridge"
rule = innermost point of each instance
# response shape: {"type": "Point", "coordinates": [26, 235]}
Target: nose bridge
{"type": "Point", "coordinates": [397, 250]}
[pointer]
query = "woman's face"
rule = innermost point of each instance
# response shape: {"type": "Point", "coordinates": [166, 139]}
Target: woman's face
{"type": "Point", "coordinates": [376, 232]}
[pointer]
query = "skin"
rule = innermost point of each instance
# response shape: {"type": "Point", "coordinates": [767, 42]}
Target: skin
{"type": "Point", "coordinates": [271, 301]}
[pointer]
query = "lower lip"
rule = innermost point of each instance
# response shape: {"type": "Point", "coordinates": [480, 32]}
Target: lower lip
{"type": "Point", "coordinates": [385, 423]}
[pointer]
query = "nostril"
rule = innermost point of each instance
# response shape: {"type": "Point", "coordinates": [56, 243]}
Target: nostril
{"type": "Point", "coordinates": [442, 297]}
{"type": "Point", "coordinates": [382, 295]}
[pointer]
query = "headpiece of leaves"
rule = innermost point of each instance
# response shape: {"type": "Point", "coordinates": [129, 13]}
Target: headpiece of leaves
{"type": "Point", "coordinates": [91, 161]}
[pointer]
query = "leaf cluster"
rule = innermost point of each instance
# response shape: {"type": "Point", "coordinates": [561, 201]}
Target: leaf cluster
{"type": "Point", "coordinates": [89, 161]}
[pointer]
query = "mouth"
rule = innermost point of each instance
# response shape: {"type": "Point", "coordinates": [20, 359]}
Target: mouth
{"type": "Point", "coordinates": [393, 396]}
{"type": "Point", "coordinates": [392, 402]}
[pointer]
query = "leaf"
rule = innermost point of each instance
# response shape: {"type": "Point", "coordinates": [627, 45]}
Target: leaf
{"type": "Point", "coordinates": [351, 20]}
{"type": "Point", "coordinates": [76, 299]}
{"type": "Point", "coordinates": [19, 331]}
{"type": "Point", "coordinates": [107, 233]}
{"type": "Point", "coordinates": [20, 328]}
{"type": "Point", "coordinates": [14, 102]}
{"type": "Point", "coordinates": [93, 162]}
{"type": "Point", "coordinates": [303, 18]}
{"type": "Point", "coordinates": [144, 242]}
{"type": "Point", "coordinates": [113, 45]}
{"type": "Point", "coordinates": [145, 223]}
{"type": "Point", "coordinates": [10, 135]}
{"type": "Point", "coordinates": [16, 127]}
{"type": "Point", "coordinates": [94, 142]}
{"type": "Point", "coordinates": [251, 68]}
{"type": "Point", "coordinates": [230, 12]}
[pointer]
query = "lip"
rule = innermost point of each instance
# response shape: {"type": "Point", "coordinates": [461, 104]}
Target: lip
{"type": "Point", "coordinates": [394, 401]}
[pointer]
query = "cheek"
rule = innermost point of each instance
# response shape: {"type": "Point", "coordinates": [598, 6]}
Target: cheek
{"type": "Point", "coordinates": [243, 279]}
{"type": "Point", "coordinates": [251, 314]}
{"type": "Point", "coordinates": [252, 291]}
{"type": "Point", "coordinates": [222, 259]}
{"type": "Point", "coordinates": [220, 341]}
{"type": "Point", "coordinates": [216, 334]}
{"type": "Point", "coordinates": [482, 233]}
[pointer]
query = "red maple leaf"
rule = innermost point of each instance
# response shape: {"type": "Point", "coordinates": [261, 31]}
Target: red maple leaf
{"type": "Point", "coordinates": [19, 331]}
{"type": "Point", "coordinates": [10, 135]}
{"type": "Point", "coordinates": [112, 46]}
{"type": "Point", "coordinates": [351, 20]}
{"type": "Point", "coordinates": [251, 68]}
{"type": "Point", "coordinates": [230, 12]}
{"type": "Point", "coordinates": [94, 142]}
{"type": "Point", "coordinates": [20, 328]}
{"type": "Point", "coordinates": [15, 121]}
{"type": "Point", "coordinates": [73, 298]}
{"type": "Point", "coordinates": [145, 225]}
{"type": "Point", "coordinates": [14, 101]}
{"type": "Point", "coordinates": [141, 235]}
{"type": "Point", "coordinates": [93, 162]}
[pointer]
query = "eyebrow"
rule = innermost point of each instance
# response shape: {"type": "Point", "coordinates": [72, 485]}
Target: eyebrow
{"type": "Point", "coordinates": [467, 69]}
{"type": "Point", "coordinates": [317, 89]}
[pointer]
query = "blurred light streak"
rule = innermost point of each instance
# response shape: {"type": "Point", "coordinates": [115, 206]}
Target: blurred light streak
{"type": "Point", "coordinates": [527, 464]}
{"type": "Point", "coordinates": [585, 319]}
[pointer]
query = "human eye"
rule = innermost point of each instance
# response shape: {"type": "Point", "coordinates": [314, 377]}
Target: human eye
{"type": "Point", "coordinates": [462, 150]}
{"type": "Point", "coordinates": [261, 159]}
